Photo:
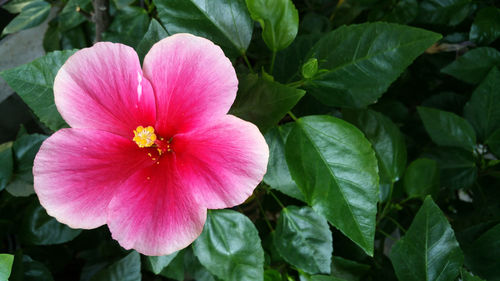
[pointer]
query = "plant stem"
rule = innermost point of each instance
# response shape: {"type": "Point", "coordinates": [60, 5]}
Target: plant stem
{"type": "Point", "coordinates": [386, 234]}
{"type": "Point", "coordinates": [100, 17]}
{"type": "Point", "coordinates": [276, 198]}
{"type": "Point", "coordinates": [295, 84]}
{"type": "Point", "coordinates": [387, 204]}
{"type": "Point", "coordinates": [264, 214]}
{"type": "Point", "coordinates": [248, 63]}
{"type": "Point", "coordinates": [397, 224]}
{"type": "Point", "coordinates": [293, 116]}
{"type": "Point", "coordinates": [273, 58]}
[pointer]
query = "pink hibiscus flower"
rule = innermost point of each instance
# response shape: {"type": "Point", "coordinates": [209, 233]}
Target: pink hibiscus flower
{"type": "Point", "coordinates": [150, 150]}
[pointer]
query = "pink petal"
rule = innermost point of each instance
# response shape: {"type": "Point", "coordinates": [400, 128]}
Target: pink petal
{"type": "Point", "coordinates": [152, 213]}
{"type": "Point", "coordinates": [103, 87]}
{"type": "Point", "coordinates": [193, 82]}
{"type": "Point", "coordinates": [77, 171]}
{"type": "Point", "coordinates": [222, 163]}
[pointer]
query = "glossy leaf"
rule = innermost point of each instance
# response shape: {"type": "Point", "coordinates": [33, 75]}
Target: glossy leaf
{"type": "Point", "coordinates": [359, 62]}
{"type": "Point", "coordinates": [125, 269]}
{"type": "Point", "coordinates": [486, 26]}
{"type": "Point", "coordinates": [279, 20]}
{"type": "Point", "coordinates": [27, 269]}
{"type": "Point", "coordinates": [403, 11]}
{"type": "Point", "coordinates": [483, 255]}
{"type": "Point", "coordinates": [126, 25]}
{"type": "Point", "coordinates": [41, 229]}
{"type": "Point", "coordinates": [6, 262]}
{"type": "Point", "coordinates": [457, 167]}
{"type": "Point", "coordinates": [229, 247]}
{"type": "Point", "coordinates": [272, 275]}
{"type": "Point", "coordinates": [493, 143]}
{"type": "Point", "coordinates": [429, 250]}
{"type": "Point", "coordinates": [422, 178]}
{"type": "Point", "coordinates": [34, 82]}
{"type": "Point", "coordinates": [447, 129]}
{"type": "Point", "coordinates": [25, 148]}
{"type": "Point", "coordinates": [70, 17]}
{"type": "Point", "coordinates": [483, 109]}
{"type": "Point", "coordinates": [278, 175]}
{"type": "Point", "coordinates": [264, 102]}
{"type": "Point", "coordinates": [466, 276]}
{"type": "Point", "coordinates": [175, 269]}
{"type": "Point", "coordinates": [16, 6]}
{"type": "Point", "coordinates": [226, 23]}
{"type": "Point", "coordinates": [443, 12]}
{"type": "Point", "coordinates": [386, 139]}
{"type": "Point", "coordinates": [336, 169]}
{"type": "Point", "coordinates": [289, 61]}
{"type": "Point", "coordinates": [31, 15]}
{"type": "Point", "coordinates": [155, 33]}
{"type": "Point", "coordinates": [7, 164]}
{"type": "Point", "coordinates": [348, 270]}
{"type": "Point", "coordinates": [157, 264]}
{"type": "Point", "coordinates": [474, 65]}
{"type": "Point", "coordinates": [303, 238]}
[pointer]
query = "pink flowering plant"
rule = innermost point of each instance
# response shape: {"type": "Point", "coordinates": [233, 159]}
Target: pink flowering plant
{"type": "Point", "coordinates": [262, 140]}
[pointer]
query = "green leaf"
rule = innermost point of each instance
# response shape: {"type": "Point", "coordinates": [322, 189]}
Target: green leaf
{"type": "Point", "coordinates": [309, 68]}
{"type": "Point", "coordinates": [443, 12]}
{"type": "Point", "coordinates": [155, 33]}
{"type": "Point", "coordinates": [457, 167]}
{"type": "Point", "coordinates": [129, 22]}
{"type": "Point", "coordinates": [278, 175]}
{"type": "Point", "coordinates": [349, 270]}
{"type": "Point", "coordinates": [483, 109]}
{"type": "Point", "coordinates": [34, 82]}
{"type": "Point", "coordinates": [303, 238]}
{"type": "Point", "coordinates": [493, 143]}
{"type": "Point", "coordinates": [41, 229]}
{"type": "Point", "coordinates": [279, 20]}
{"type": "Point", "coordinates": [6, 164]}
{"type": "Point", "coordinates": [125, 269]}
{"type": "Point", "coordinates": [429, 250]}
{"type": "Point", "coordinates": [386, 139]}
{"type": "Point", "coordinates": [157, 264]}
{"type": "Point", "coordinates": [175, 270]}
{"type": "Point", "coordinates": [25, 148]}
{"type": "Point", "coordinates": [16, 6]}
{"type": "Point", "coordinates": [27, 269]}
{"type": "Point", "coordinates": [264, 102]}
{"type": "Point", "coordinates": [289, 61]}
{"type": "Point", "coordinates": [466, 276]}
{"type": "Point", "coordinates": [226, 23]}
{"type": "Point", "coordinates": [486, 26]}
{"type": "Point", "coordinates": [404, 12]}
{"type": "Point", "coordinates": [272, 275]}
{"type": "Point", "coordinates": [335, 167]}
{"type": "Point", "coordinates": [447, 129]}
{"type": "Point", "coordinates": [32, 15]}
{"type": "Point", "coordinates": [422, 178]}
{"type": "Point", "coordinates": [358, 62]}
{"type": "Point", "coordinates": [70, 17]}
{"type": "Point", "coordinates": [483, 255]}
{"type": "Point", "coordinates": [229, 247]}
{"type": "Point", "coordinates": [6, 262]}
{"type": "Point", "coordinates": [474, 65]}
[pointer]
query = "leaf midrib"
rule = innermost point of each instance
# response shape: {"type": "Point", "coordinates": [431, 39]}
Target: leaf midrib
{"type": "Point", "coordinates": [216, 26]}
{"type": "Point", "coordinates": [367, 57]}
{"type": "Point", "coordinates": [300, 123]}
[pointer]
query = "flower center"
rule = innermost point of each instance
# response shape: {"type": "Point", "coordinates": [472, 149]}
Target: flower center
{"type": "Point", "coordinates": [144, 137]}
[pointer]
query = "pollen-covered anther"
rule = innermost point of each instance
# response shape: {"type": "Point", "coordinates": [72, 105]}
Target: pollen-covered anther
{"type": "Point", "coordinates": [144, 137]}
